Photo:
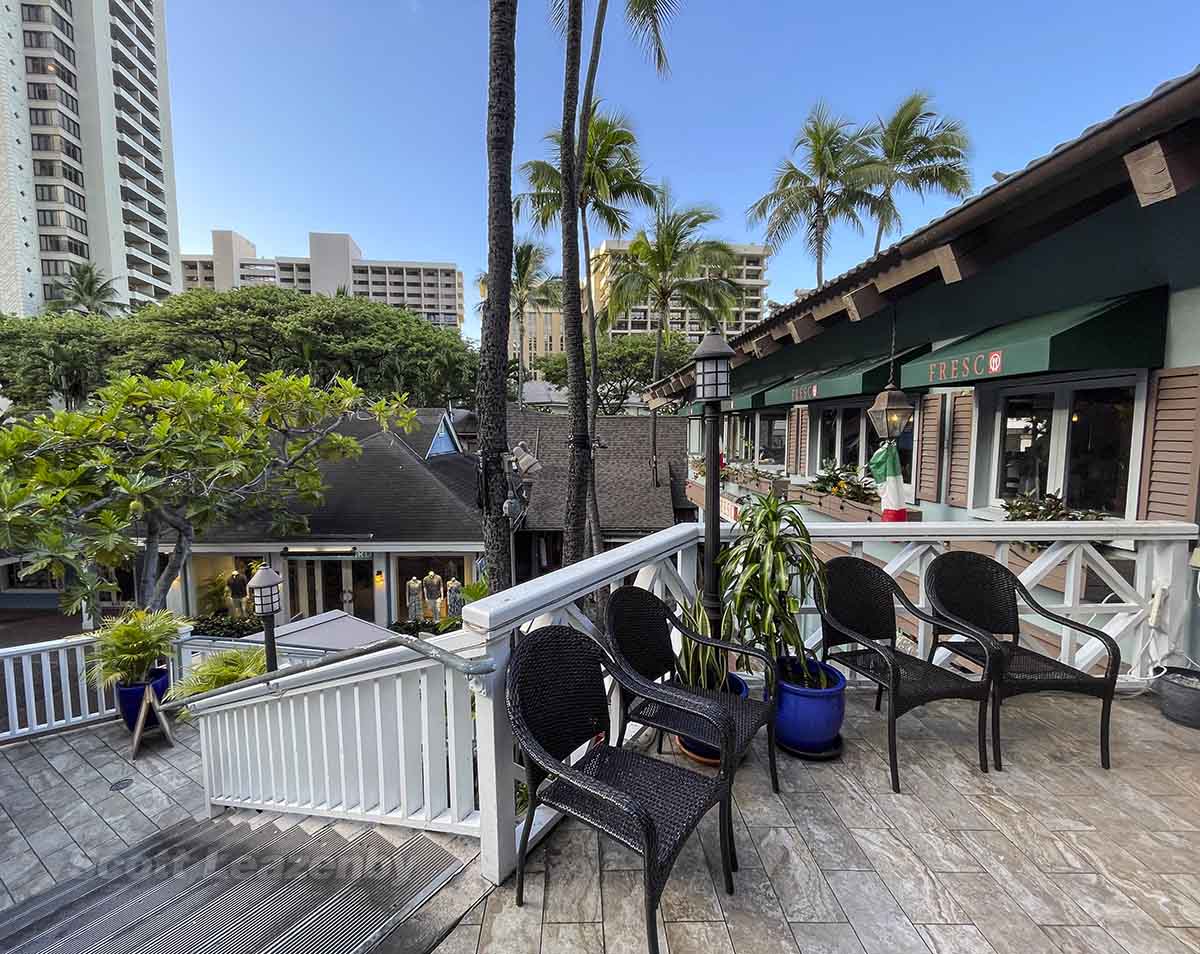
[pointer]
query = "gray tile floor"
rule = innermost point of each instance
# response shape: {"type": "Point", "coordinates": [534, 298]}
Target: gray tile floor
{"type": "Point", "coordinates": [1051, 855]}
{"type": "Point", "coordinates": [59, 813]}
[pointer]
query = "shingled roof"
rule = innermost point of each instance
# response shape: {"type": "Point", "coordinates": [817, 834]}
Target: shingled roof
{"type": "Point", "coordinates": [629, 502]}
{"type": "Point", "coordinates": [386, 494]}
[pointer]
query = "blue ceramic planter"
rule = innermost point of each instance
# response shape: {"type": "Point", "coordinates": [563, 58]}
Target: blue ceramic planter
{"type": "Point", "coordinates": [129, 698]}
{"type": "Point", "coordinates": [809, 720]}
{"type": "Point", "coordinates": [709, 753]}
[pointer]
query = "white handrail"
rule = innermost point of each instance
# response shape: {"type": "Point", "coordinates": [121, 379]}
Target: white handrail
{"type": "Point", "coordinates": [44, 687]}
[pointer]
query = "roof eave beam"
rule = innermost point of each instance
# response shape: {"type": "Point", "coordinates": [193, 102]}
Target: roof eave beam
{"type": "Point", "coordinates": [1164, 168]}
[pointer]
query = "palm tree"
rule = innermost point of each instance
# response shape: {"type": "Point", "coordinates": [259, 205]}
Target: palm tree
{"type": "Point", "coordinates": [918, 150]}
{"type": "Point", "coordinates": [611, 179]}
{"type": "Point", "coordinates": [825, 189]}
{"type": "Point", "coordinates": [532, 285]}
{"type": "Point", "coordinates": [86, 290]}
{"type": "Point", "coordinates": [491, 388]}
{"type": "Point", "coordinates": [646, 19]}
{"type": "Point", "coordinates": [673, 265]}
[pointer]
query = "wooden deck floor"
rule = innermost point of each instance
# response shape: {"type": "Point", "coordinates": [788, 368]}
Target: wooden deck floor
{"type": "Point", "coordinates": [1051, 855]}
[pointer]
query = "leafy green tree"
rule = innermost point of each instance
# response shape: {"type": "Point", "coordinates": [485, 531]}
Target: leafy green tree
{"type": "Point", "coordinates": [56, 355]}
{"type": "Point", "coordinates": [86, 290]}
{"type": "Point", "coordinates": [918, 151]}
{"type": "Point", "coordinates": [382, 349]}
{"type": "Point", "coordinates": [152, 458]}
{"type": "Point", "coordinates": [626, 366]}
{"type": "Point", "coordinates": [828, 187]}
{"type": "Point", "coordinates": [673, 262]}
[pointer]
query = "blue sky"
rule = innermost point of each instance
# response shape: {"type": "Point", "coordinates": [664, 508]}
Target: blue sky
{"type": "Point", "coordinates": [368, 117]}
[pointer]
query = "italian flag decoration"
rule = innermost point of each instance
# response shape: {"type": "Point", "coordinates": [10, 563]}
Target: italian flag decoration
{"type": "Point", "coordinates": [889, 481]}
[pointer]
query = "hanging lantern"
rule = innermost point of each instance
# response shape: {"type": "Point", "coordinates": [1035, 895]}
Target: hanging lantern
{"type": "Point", "coordinates": [891, 412]}
{"type": "Point", "coordinates": [712, 368]}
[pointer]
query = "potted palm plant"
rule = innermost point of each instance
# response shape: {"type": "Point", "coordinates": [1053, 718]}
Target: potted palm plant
{"type": "Point", "coordinates": [703, 667]}
{"type": "Point", "coordinates": [131, 652]}
{"type": "Point", "coordinates": [768, 571]}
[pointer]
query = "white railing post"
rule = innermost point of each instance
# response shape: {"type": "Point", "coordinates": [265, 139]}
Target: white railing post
{"type": "Point", "coordinates": [497, 772]}
{"type": "Point", "coordinates": [1162, 568]}
{"type": "Point", "coordinates": [1072, 590]}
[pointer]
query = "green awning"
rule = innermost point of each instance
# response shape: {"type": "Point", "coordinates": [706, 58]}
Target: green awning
{"type": "Point", "coordinates": [754, 398]}
{"type": "Point", "coordinates": [1125, 332]}
{"type": "Point", "coordinates": [865, 376]}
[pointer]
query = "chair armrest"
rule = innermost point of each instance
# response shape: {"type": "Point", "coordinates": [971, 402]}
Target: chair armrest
{"type": "Point", "coordinates": [884, 652]}
{"type": "Point", "coordinates": [709, 711]}
{"type": "Point", "coordinates": [622, 801]}
{"type": "Point", "coordinates": [992, 649]}
{"type": "Point", "coordinates": [771, 665]}
{"type": "Point", "coordinates": [1110, 644]}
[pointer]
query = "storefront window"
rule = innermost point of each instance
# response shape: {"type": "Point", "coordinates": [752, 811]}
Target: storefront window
{"type": "Point", "coordinates": [828, 444]}
{"type": "Point", "coordinates": [772, 433]}
{"type": "Point", "coordinates": [1098, 449]}
{"type": "Point", "coordinates": [851, 435]}
{"type": "Point", "coordinates": [1025, 445]}
{"type": "Point", "coordinates": [744, 437]}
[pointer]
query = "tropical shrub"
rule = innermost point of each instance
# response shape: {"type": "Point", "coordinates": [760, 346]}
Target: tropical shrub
{"type": "Point", "coordinates": [845, 482]}
{"type": "Point", "coordinates": [219, 670]}
{"type": "Point", "coordinates": [225, 627]}
{"type": "Point", "coordinates": [128, 648]}
{"type": "Point", "coordinates": [1031, 506]}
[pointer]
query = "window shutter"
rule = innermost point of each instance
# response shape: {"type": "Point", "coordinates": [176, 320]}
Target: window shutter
{"type": "Point", "coordinates": [929, 450]}
{"type": "Point", "coordinates": [800, 459]}
{"type": "Point", "coordinates": [962, 414]}
{"type": "Point", "coordinates": [789, 448]}
{"type": "Point", "coordinates": [1171, 454]}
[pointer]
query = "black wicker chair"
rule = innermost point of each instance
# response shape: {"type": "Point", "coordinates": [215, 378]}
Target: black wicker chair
{"type": "Point", "coordinates": [858, 610]}
{"type": "Point", "coordinates": [971, 591]}
{"type": "Point", "coordinates": [557, 703]}
{"type": "Point", "coordinates": [639, 626]}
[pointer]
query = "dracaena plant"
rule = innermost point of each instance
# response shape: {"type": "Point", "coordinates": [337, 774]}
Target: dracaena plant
{"type": "Point", "coordinates": [766, 574]}
{"type": "Point", "coordinates": [700, 666]}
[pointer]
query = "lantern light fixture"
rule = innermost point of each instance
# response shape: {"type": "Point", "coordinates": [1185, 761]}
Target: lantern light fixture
{"type": "Point", "coordinates": [892, 409]}
{"type": "Point", "coordinates": [713, 368]}
{"type": "Point", "coordinates": [265, 588]}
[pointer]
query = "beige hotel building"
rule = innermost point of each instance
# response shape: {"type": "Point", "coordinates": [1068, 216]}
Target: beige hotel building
{"type": "Point", "coordinates": [433, 290]}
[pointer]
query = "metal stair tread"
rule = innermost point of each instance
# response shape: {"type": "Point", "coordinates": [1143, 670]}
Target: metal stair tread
{"type": "Point", "coordinates": [116, 909]}
{"type": "Point", "coordinates": [426, 927]}
{"type": "Point", "coordinates": [63, 893]}
{"type": "Point", "coordinates": [291, 843]}
{"type": "Point", "coordinates": [255, 930]}
{"type": "Point", "coordinates": [367, 908]}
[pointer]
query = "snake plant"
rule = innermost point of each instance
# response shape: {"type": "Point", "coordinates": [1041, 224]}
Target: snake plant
{"type": "Point", "coordinates": [768, 571]}
{"type": "Point", "coordinates": [699, 666]}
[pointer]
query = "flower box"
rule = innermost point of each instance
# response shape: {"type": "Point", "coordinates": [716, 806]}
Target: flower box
{"type": "Point", "coordinates": [839, 508]}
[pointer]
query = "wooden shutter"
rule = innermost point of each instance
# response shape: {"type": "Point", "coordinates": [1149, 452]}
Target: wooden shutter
{"type": "Point", "coordinates": [962, 414]}
{"type": "Point", "coordinates": [929, 450]}
{"type": "Point", "coordinates": [1171, 452]}
{"type": "Point", "coordinates": [801, 453]}
{"type": "Point", "coordinates": [789, 447]}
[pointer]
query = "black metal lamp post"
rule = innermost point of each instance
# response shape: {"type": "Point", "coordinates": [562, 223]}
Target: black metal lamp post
{"type": "Point", "coordinates": [265, 587]}
{"type": "Point", "coordinates": [712, 387]}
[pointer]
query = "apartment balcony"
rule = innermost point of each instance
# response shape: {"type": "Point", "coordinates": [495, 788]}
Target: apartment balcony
{"type": "Point", "coordinates": [135, 45]}
{"type": "Point", "coordinates": [127, 75]}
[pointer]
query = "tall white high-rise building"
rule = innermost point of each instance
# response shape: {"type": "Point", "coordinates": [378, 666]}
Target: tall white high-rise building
{"type": "Point", "coordinates": [86, 163]}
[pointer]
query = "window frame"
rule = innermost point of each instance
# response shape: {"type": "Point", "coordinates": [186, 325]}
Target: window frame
{"type": "Point", "coordinates": [862, 403]}
{"type": "Point", "coordinates": [1064, 388]}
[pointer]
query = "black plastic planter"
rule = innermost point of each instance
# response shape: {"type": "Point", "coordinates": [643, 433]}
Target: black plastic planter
{"type": "Point", "coordinates": [1179, 695]}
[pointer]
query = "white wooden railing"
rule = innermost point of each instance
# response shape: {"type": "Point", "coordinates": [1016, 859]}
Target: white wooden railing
{"type": "Point", "coordinates": [383, 738]}
{"type": "Point", "coordinates": [192, 648]}
{"type": "Point", "coordinates": [45, 688]}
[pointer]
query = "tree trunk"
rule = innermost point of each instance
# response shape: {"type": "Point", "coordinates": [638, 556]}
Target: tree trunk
{"type": "Point", "coordinates": [655, 372]}
{"type": "Point", "coordinates": [879, 236]}
{"type": "Point", "coordinates": [595, 528]}
{"type": "Point", "coordinates": [491, 388]}
{"type": "Point", "coordinates": [575, 514]}
{"type": "Point", "coordinates": [149, 570]}
{"type": "Point", "coordinates": [183, 549]}
{"type": "Point", "coordinates": [521, 356]}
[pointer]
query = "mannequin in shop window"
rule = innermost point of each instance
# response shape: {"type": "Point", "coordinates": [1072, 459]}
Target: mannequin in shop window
{"type": "Point", "coordinates": [412, 592]}
{"type": "Point", "coordinates": [236, 585]}
{"type": "Point", "coordinates": [433, 592]}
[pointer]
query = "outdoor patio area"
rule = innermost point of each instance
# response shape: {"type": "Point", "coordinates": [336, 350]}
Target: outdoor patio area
{"type": "Point", "coordinates": [73, 800]}
{"type": "Point", "coordinates": [1051, 855]}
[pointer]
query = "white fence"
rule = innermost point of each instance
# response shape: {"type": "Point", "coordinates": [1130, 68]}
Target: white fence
{"type": "Point", "coordinates": [45, 688]}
